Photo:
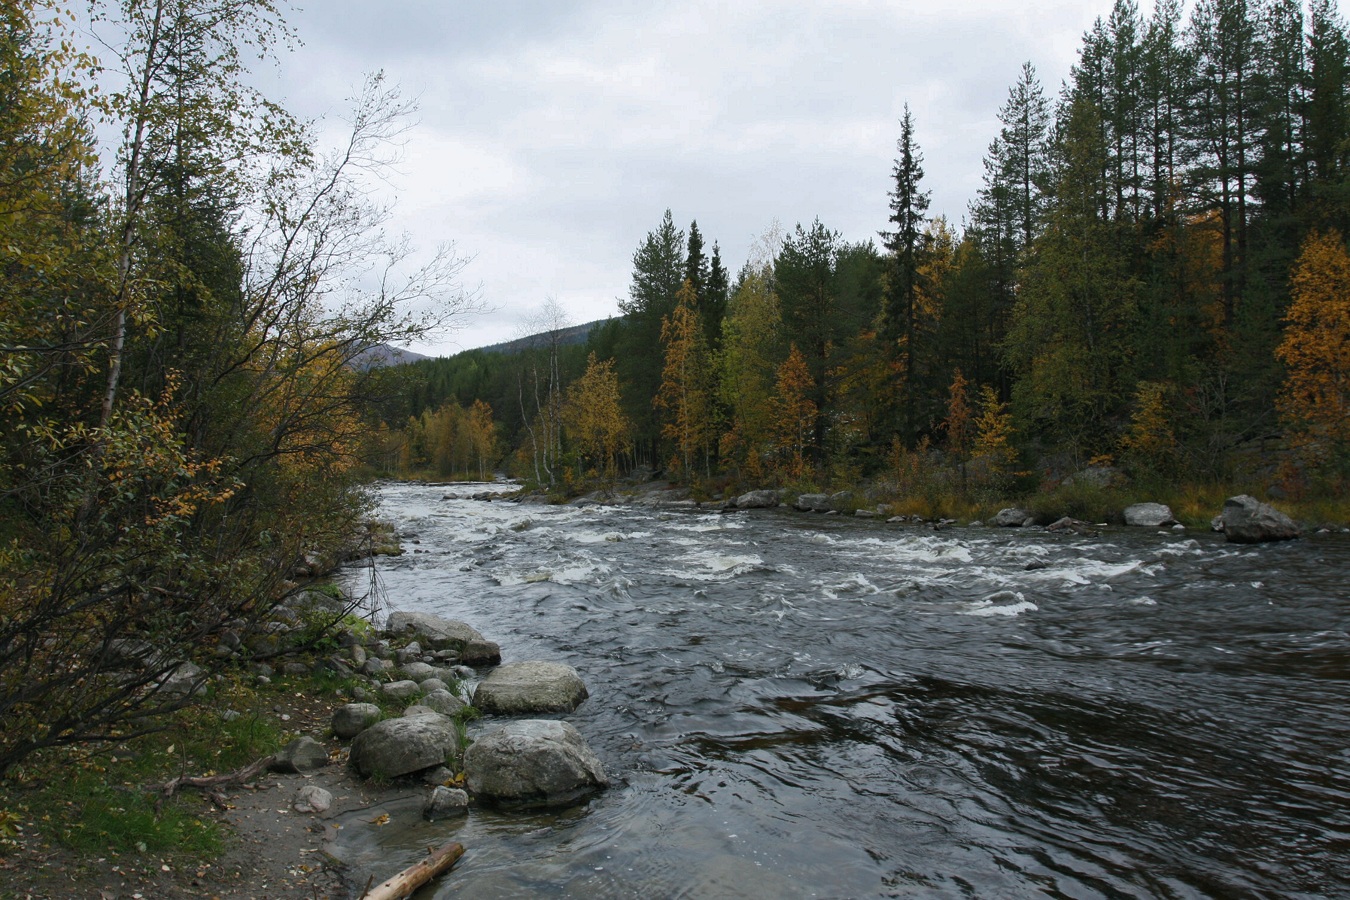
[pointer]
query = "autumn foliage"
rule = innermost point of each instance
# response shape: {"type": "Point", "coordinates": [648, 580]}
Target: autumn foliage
{"type": "Point", "coordinates": [1315, 400]}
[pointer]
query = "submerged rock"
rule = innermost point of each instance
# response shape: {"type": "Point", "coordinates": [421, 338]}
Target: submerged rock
{"type": "Point", "coordinates": [533, 763]}
{"type": "Point", "coordinates": [444, 802]}
{"type": "Point", "coordinates": [1246, 520]}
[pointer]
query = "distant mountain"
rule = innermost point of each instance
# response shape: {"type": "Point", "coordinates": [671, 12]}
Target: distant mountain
{"type": "Point", "coordinates": [577, 334]}
{"type": "Point", "coordinates": [380, 355]}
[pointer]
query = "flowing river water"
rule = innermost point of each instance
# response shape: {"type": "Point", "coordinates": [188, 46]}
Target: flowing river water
{"type": "Point", "coordinates": [794, 705]}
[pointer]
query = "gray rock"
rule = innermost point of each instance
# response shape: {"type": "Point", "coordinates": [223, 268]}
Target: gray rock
{"type": "Point", "coordinates": [481, 653]}
{"type": "Point", "coordinates": [351, 719]}
{"type": "Point", "coordinates": [1149, 515]}
{"type": "Point", "coordinates": [417, 709]}
{"type": "Point", "coordinates": [400, 690]}
{"type": "Point", "coordinates": [296, 668]}
{"type": "Point", "coordinates": [1247, 520]}
{"type": "Point", "coordinates": [444, 802]}
{"type": "Point", "coordinates": [304, 754]}
{"type": "Point", "coordinates": [419, 671]}
{"type": "Point", "coordinates": [865, 513]}
{"type": "Point", "coordinates": [811, 503]}
{"type": "Point", "coordinates": [431, 631]}
{"type": "Point", "coordinates": [402, 746]}
{"type": "Point", "coordinates": [432, 684]}
{"type": "Point", "coordinates": [1012, 517]}
{"type": "Point", "coordinates": [443, 702]}
{"type": "Point", "coordinates": [184, 680]}
{"type": "Point", "coordinates": [438, 775]}
{"type": "Point", "coordinates": [532, 763]}
{"type": "Point", "coordinates": [312, 799]}
{"type": "Point", "coordinates": [758, 500]}
{"type": "Point", "coordinates": [375, 667]}
{"type": "Point", "coordinates": [528, 688]}
{"type": "Point", "coordinates": [840, 502]}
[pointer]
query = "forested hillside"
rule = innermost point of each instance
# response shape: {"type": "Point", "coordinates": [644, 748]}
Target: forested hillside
{"type": "Point", "coordinates": [1152, 276]}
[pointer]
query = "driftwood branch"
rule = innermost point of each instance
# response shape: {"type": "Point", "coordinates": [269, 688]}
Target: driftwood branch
{"type": "Point", "coordinates": [416, 875]}
{"type": "Point", "coordinates": [207, 783]}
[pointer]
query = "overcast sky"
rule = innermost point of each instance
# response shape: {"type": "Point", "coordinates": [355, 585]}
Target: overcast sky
{"type": "Point", "coordinates": [552, 136]}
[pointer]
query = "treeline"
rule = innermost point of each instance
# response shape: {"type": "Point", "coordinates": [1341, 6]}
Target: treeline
{"type": "Point", "coordinates": [1153, 274]}
{"type": "Point", "coordinates": [179, 420]}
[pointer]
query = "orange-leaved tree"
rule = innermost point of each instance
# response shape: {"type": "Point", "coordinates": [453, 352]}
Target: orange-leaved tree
{"type": "Point", "coordinates": [794, 413]}
{"type": "Point", "coordinates": [1315, 400]}
{"type": "Point", "coordinates": [685, 393]}
{"type": "Point", "coordinates": [593, 416]}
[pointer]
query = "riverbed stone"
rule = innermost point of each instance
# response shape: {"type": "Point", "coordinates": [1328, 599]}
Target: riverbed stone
{"type": "Point", "coordinates": [532, 763]}
{"type": "Point", "coordinates": [1149, 515]}
{"type": "Point", "coordinates": [757, 500]}
{"type": "Point", "coordinates": [419, 671]}
{"type": "Point", "coordinates": [442, 701]}
{"type": "Point", "coordinates": [811, 502]}
{"type": "Point", "coordinates": [304, 754]}
{"type": "Point", "coordinates": [312, 799]}
{"type": "Point", "coordinates": [1012, 517]}
{"type": "Point", "coordinates": [1247, 520]}
{"type": "Point", "coordinates": [481, 652]}
{"type": "Point", "coordinates": [402, 746]}
{"type": "Point", "coordinates": [431, 630]}
{"type": "Point", "coordinates": [444, 802]}
{"type": "Point", "coordinates": [400, 690]}
{"type": "Point", "coordinates": [530, 687]}
{"type": "Point", "coordinates": [351, 719]}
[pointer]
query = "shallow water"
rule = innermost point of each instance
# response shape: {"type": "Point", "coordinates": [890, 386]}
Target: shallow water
{"type": "Point", "coordinates": [793, 705]}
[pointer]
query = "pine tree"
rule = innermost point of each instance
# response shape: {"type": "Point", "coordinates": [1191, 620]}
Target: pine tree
{"type": "Point", "coordinates": [804, 279]}
{"type": "Point", "coordinates": [905, 244]}
{"type": "Point", "coordinates": [658, 272]}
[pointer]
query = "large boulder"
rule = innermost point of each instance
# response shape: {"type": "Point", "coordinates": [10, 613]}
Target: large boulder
{"type": "Point", "coordinates": [757, 500]}
{"type": "Point", "coordinates": [812, 502]}
{"type": "Point", "coordinates": [1012, 517]}
{"type": "Point", "coordinates": [1247, 520]}
{"type": "Point", "coordinates": [430, 630]}
{"type": "Point", "coordinates": [532, 763]}
{"type": "Point", "coordinates": [530, 688]}
{"type": "Point", "coordinates": [443, 702]}
{"type": "Point", "coordinates": [1149, 515]}
{"type": "Point", "coordinates": [402, 746]}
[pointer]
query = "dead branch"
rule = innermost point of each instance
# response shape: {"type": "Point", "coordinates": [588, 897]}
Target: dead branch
{"type": "Point", "coordinates": [206, 783]}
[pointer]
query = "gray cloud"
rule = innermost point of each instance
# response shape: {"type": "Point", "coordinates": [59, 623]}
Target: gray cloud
{"type": "Point", "coordinates": [553, 135]}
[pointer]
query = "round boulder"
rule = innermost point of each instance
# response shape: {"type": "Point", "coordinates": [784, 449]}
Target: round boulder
{"type": "Point", "coordinates": [529, 688]}
{"type": "Point", "coordinates": [402, 746]}
{"type": "Point", "coordinates": [1149, 515]}
{"type": "Point", "coordinates": [1012, 517]}
{"type": "Point", "coordinates": [532, 763]}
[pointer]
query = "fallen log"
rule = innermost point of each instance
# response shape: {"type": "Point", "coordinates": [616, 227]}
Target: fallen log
{"type": "Point", "coordinates": [206, 782]}
{"type": "Point", "coordinates": [416, 875]}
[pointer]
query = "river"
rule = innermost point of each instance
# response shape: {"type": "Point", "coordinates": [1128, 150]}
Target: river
{"type": "Point", "coordinates": [795, 705]}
